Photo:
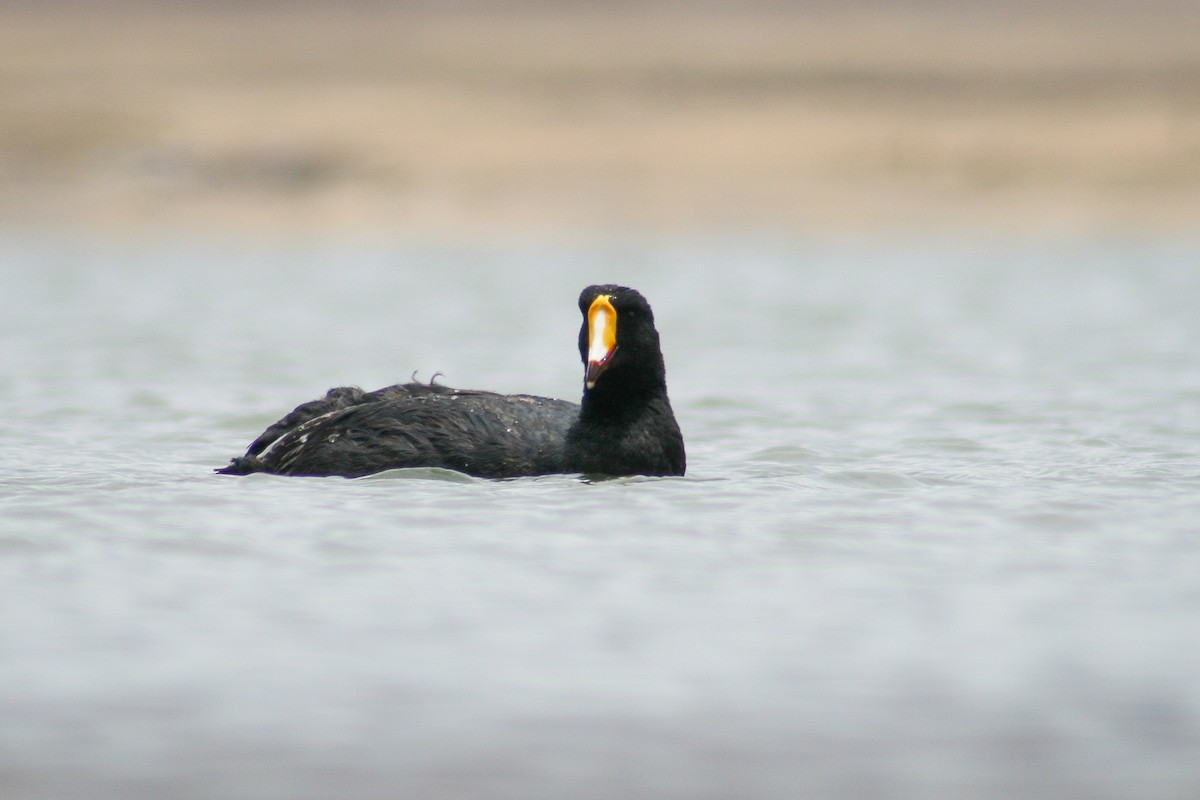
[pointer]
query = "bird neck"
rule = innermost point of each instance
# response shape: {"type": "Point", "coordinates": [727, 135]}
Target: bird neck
{"type": "Point", "coordinates": [621, 396]}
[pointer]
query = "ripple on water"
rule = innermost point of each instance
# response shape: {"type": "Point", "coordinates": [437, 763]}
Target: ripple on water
{"type": "Point", "coordinates": [789, 454]}
{"type": "Point", "coordinates": [869, 479]}
{"type": "Point", "coordinates": [421, 474]}
{"type": "Point", "coordinates": [946, 444]}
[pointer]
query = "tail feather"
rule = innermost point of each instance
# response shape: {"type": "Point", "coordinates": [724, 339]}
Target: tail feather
{"type": "Point", "coordinates": [241, 465]}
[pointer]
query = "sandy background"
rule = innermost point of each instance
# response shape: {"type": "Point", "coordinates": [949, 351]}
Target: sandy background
{"type": "Point", "coordinates": [453, 117]}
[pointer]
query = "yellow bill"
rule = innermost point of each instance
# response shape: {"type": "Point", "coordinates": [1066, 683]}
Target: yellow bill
{"type": "Point", "coordinates": [602, 338]}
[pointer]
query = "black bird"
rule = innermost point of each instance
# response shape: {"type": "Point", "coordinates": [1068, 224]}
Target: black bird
{"type": "Point", "coordinates": [623, 426]}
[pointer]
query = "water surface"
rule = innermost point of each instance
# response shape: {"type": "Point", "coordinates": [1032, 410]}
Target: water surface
{"type": "Point", "coordinates": [938, 537]}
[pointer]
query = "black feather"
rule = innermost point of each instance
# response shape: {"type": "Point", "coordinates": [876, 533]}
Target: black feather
{"type": "Point", "coordinates": [623, 426]}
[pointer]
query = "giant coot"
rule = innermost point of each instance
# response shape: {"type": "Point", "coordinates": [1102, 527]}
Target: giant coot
{"type": "Point", "coordinates": [623, 426]}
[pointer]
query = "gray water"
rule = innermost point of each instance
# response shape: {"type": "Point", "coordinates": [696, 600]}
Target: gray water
{"type": "Point", "coordinates": [939, 537]}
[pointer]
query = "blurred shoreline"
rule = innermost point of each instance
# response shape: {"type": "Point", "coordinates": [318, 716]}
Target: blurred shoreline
{"type": "Point", "coordinates": [421, 117]}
